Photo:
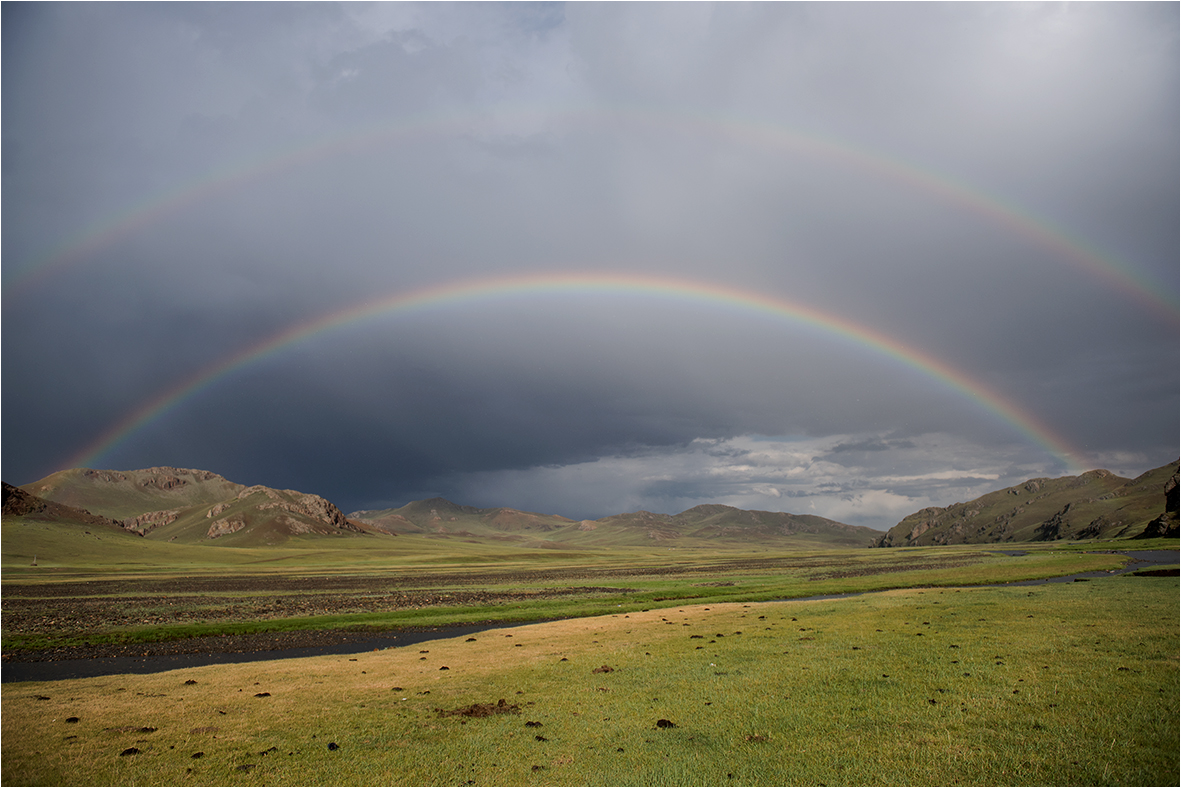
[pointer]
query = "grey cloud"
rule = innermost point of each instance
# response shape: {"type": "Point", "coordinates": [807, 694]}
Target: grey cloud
{"type": "Point", "coordinates": [281, 162]}
{"type": "Point", "coordinates": [873, 444]}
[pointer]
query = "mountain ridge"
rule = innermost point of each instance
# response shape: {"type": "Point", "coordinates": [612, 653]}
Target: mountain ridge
{"type": "Point", "coordinates": [196, 506]}
{"type": "Point", "coordinates": [1096, 504]}
{"type": "Point", "coordinates": [443, 518]}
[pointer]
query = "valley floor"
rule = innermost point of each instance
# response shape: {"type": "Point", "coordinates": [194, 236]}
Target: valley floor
{"type": "Point", "coordinates": [1055, 684]}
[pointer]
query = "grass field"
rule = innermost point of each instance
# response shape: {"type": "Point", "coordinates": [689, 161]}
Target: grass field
{"type": "Point", "coordinates": [941, 680]}
{"type": "Point", "coordinates": [132, 590]}
{"type": "Point", "coordinates": [1067, 684]}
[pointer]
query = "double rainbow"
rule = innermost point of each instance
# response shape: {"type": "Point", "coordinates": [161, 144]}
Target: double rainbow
{"type": "Point", "coordinates": [1156, 297]}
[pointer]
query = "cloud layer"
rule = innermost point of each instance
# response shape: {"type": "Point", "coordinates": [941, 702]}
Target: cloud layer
{"type": "Point", "coordinates": [989, 186]}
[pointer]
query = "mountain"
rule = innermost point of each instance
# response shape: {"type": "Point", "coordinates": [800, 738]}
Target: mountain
{"type": "Point", "coordinates": [193, 506]}
{"type": "Point", "coordinates": [1095, 505]}
{"type": "Point", "coordinates": [696, 527]}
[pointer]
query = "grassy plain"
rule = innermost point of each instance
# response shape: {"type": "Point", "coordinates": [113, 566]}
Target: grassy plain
{"type": "Point", "coordinates": [98, 587]}
{"type": "Point", "coordinates": [935, 682]}
{"type": "Point", "coordinates": [1064, 684]}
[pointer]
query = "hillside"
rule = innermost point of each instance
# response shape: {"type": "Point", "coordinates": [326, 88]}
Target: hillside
{"type": "Point", "coordinates": [716, 521]}
{"type": "Point", "coordinates": [442, 517]}
{"type": "Point", "coordinates": [123, 494]}
{"type": "Point", "coordinates": [193, 506]}
{"type": "Point", "coordinates": [699, 526]}
{"type": "Point", "coordinates": [1095, 505]}
{"type": "Point", "coordinates": [19, 503]}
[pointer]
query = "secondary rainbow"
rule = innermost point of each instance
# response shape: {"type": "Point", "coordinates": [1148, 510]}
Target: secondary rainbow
{"type": "Point", "coordinates": [456, 293]}
{"type": "Point", "coordinates": [1158, 298]}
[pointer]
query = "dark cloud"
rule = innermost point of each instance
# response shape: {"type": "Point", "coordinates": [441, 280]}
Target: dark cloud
{"type": "Point", "coordinates": [873, 444]}
{"type": "Point", "coordinates": [991, 187]}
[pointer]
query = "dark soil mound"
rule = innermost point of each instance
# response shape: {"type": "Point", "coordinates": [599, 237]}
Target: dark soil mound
{"type": "Point", "coordinates": [482, 710]}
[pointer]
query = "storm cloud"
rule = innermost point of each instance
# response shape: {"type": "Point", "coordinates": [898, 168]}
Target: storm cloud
{"type": "Point", "coordinates": [941, 242]}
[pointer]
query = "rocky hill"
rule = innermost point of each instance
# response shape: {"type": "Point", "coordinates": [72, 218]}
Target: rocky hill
{"type": "Point", "coordinates": [1095, 505]}
{"type": "Point", "coordinates": [185, 505]}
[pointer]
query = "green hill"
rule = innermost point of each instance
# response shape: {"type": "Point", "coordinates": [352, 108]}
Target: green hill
{"type": "Point", "coordinates": [1095, 505]}
{"type": "Point", "coordinates": [124, 494]}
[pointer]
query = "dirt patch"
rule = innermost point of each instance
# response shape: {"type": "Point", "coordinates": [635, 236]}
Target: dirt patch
{"type": "Point", "coordinates": [868, 571]}
{"type": "Point", "coordinates": [482, 709]}
{"type": "Point", "coordinates": [213, 644]}
{"type": "Point", "coordinates": [53, 610]}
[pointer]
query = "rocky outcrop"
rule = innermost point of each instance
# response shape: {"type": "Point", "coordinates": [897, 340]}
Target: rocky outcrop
{"type": "Point", "coordinates": [225, 526]}
{"type": "Point", "coordinates": [1051, 529]}
{"type": "Point", "coordinates": [149, 521]}
{"type": "Point", "coordinates": [1166, 525]}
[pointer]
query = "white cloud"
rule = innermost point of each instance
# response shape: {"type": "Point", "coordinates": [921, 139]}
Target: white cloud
{"type": "Point", "coordinates": [759, 473]}
{"type": "Point", "coordinates": [865, 508]}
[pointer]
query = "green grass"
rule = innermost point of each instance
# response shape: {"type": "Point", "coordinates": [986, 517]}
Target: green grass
{"type": "Point", "coordinates": [1067, 684]}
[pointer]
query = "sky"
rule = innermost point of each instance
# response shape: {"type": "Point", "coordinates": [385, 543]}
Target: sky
{"type": "Point", "coordinates": [842, 259]}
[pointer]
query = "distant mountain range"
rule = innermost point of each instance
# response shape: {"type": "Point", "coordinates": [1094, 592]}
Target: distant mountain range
{"type": "Point", "coordinates": [199, 507]}
{"type": "Point", "coordinates": [192, 506]}
{"type": "Point", "coordinates": [1095, 505]}
{"type": "Point", "coordinates": [701, 525]}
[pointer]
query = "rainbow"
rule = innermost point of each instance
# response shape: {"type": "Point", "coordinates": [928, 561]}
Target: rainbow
{"type": "Point", "coordinates": [605, 284]}
{"type": "Point", "coordinates": [1157, 298]}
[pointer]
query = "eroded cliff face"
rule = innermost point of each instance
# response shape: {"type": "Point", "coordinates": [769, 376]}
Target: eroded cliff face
{"type": "Point", "coordinates": [1166, 525]}
{"type": "Point", "coordinates": [1093, 505]}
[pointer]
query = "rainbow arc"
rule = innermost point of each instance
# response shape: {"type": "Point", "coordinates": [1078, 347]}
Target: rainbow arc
{"type": "Point", "coordinates": [459, 293]}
